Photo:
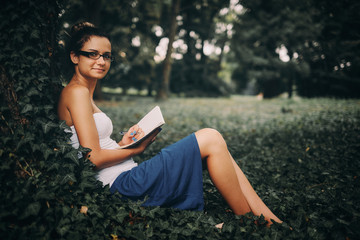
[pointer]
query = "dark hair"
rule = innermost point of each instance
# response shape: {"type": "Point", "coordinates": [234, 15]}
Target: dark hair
{"type": "Point", "coordinates": [81, 33]}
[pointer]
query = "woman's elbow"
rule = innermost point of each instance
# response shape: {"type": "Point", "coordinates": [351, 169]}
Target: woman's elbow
{"type": "Point", "coordinates": [95, 158]}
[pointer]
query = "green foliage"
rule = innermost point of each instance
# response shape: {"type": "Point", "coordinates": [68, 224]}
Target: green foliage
{"type": "Point", "coordinates": [190, 81]}
{"type": "Point", "coordinates": [124, 21]}
{"type": "Point", "coordinates": [323, 56]}
{"type": "Point", "coordinates": [300, 155]}
{"type": "Point", "coordinates": [334, 55]}
{"type": "Point", "coordinates": [44, 182]}
{"type": "Point", "coordinates": [135, 66]}
{"type": "Point", "coordinates": [196, 74]}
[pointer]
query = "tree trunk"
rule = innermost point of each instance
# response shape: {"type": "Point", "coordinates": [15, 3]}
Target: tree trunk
{"type": "Point", "coordinates": [164, 89]}
{"type": "Point", "coordinates": [290, 87]}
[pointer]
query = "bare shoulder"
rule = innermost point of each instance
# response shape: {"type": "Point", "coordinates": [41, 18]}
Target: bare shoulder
{"type": "Point", "coordinates": [74, 98]}
{"type": "Point", "coordinates": [72, 91]}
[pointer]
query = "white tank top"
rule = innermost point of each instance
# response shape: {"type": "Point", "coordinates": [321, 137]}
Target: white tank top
{"type": "Point", "coordinates": [104, 127]}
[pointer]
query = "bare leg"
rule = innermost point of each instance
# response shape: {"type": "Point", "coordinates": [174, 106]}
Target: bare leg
{"type": "Point", "coordinates": [221, 169]}
{"type": "Point", "coordinates": [257, 206]}
{"type": "Point", "coordinates": [228, 177]}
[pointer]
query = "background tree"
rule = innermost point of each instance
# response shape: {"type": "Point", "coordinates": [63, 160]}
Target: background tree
{"type": "Point", "coordinates": [164, 88]}
{"type": "Point", "coordinates": [137, 27]}
{"type": "Point", "coordinates": [334, 55]}
{"type": "Point", "coordinates": [130, 26]}
{"type": "Point", "coordinates": [196, 73]}
{"type": "Point", "coordinates": [312, 38]}
{"type": "Point", "coordinates": [263, 29]}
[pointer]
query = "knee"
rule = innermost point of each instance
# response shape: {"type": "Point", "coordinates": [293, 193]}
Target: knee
{"type": "Point", "coordinates": [210, 137]}
{"type": "Point", "coordinates": [211, 132]}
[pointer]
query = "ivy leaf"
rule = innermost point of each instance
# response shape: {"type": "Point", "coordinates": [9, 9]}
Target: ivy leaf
{"type": "Point", "coordinates": [31, 210]}
{"type": "Point", "coordinates": [62, 147]}
{"type": "Point", "coordinates": [42, 194]}
{"type": "Point", "coordinates": [68, 178]}
{"type": "Point", "coordinates": [34, 34]}
{"type": "Point", "coordinates": [121, 215]}
{"type": "Point", "coordinates": [73, 156]}
{"type": "Point", "coordinates": [36, 147]}
{"type": "Point", "coordinates": [54, 166]}
{"type": "Point", "coordinates": [343, 221]}
{"type": "Point", "coordinates": [32, 91]}
{"type": "Point", "coordinates": [28, 138]}
{"type": "Point", "coordinates": [63, 125]}
{"type": "Point", "coordinates": [48, 125]}
{"type": "Point", "coordinates": [5, 140]}
{"type": "Point", "coordinates": [27, 108]}
{"type": "Point", "coordinates": [86, 185]}
{"type": "Point", "coordinates": [47, 153]}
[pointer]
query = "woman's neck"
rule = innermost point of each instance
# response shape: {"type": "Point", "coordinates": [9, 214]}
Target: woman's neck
{"type": "Point", "coordinates": [89, 83]}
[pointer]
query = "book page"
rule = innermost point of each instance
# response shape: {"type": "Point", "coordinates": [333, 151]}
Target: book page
{"type": "Point", "coordinates": [150, 122]}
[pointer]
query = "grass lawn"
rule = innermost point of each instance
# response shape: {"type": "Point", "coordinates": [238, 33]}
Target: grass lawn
{"type": "Point", "coordinates": [302, 156]}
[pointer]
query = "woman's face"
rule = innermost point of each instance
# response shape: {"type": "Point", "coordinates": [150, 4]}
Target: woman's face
{"type": "Point", "coordinates": [93, 68]}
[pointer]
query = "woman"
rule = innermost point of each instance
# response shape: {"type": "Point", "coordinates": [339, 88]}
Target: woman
{"type": "Point", "coordinates": [172, 178]}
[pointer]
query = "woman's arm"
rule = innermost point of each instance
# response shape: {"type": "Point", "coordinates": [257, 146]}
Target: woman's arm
{"type": "Point", "coordinates": [81, 110]}
{"type": "Point", "coordinates": [133, 134]}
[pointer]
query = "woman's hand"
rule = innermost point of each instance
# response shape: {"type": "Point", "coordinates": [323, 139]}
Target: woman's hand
{"type": "Point", "coordinates": [134, 134]}
{"type": "Point", "coordinates": [147, 141]}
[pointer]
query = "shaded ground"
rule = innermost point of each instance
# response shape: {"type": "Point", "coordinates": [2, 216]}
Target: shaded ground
{"type": "Point", "coordinates": [302, 157]}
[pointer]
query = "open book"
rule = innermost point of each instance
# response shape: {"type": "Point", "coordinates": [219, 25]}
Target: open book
{"type": "Point", "coordinates": [149, 123]}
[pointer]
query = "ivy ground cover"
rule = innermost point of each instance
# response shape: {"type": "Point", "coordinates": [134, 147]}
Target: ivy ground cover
{"type": "Point", "coordinates": [302, 157]}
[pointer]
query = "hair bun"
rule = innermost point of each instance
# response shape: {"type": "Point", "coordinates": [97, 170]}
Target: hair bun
{"type": "Point", "coordinates": [80, 26]}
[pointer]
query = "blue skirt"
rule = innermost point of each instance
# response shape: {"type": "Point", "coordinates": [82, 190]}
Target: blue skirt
{"type": "Point", "coordinates": [172, 178]}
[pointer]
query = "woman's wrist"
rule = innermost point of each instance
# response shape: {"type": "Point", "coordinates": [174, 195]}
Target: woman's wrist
{"type": "Point", "coordinates": [121, 143]}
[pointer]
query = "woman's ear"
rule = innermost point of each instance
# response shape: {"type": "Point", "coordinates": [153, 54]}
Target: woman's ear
{"type": "Point", "coordinates": [74, 58]}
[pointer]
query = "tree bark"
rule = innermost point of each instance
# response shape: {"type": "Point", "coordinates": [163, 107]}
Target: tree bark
{"type": "Point", "coordinates": [164, 89]}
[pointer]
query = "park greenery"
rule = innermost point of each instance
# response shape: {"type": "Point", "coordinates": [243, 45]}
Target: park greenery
{"type": "Point", "coordinates": [300, 154]}
{"type": "Point", "coordinates": [225, 47]}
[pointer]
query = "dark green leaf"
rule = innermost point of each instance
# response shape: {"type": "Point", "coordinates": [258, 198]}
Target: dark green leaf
{"type": "Point", "coordinates": [31, 210]}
